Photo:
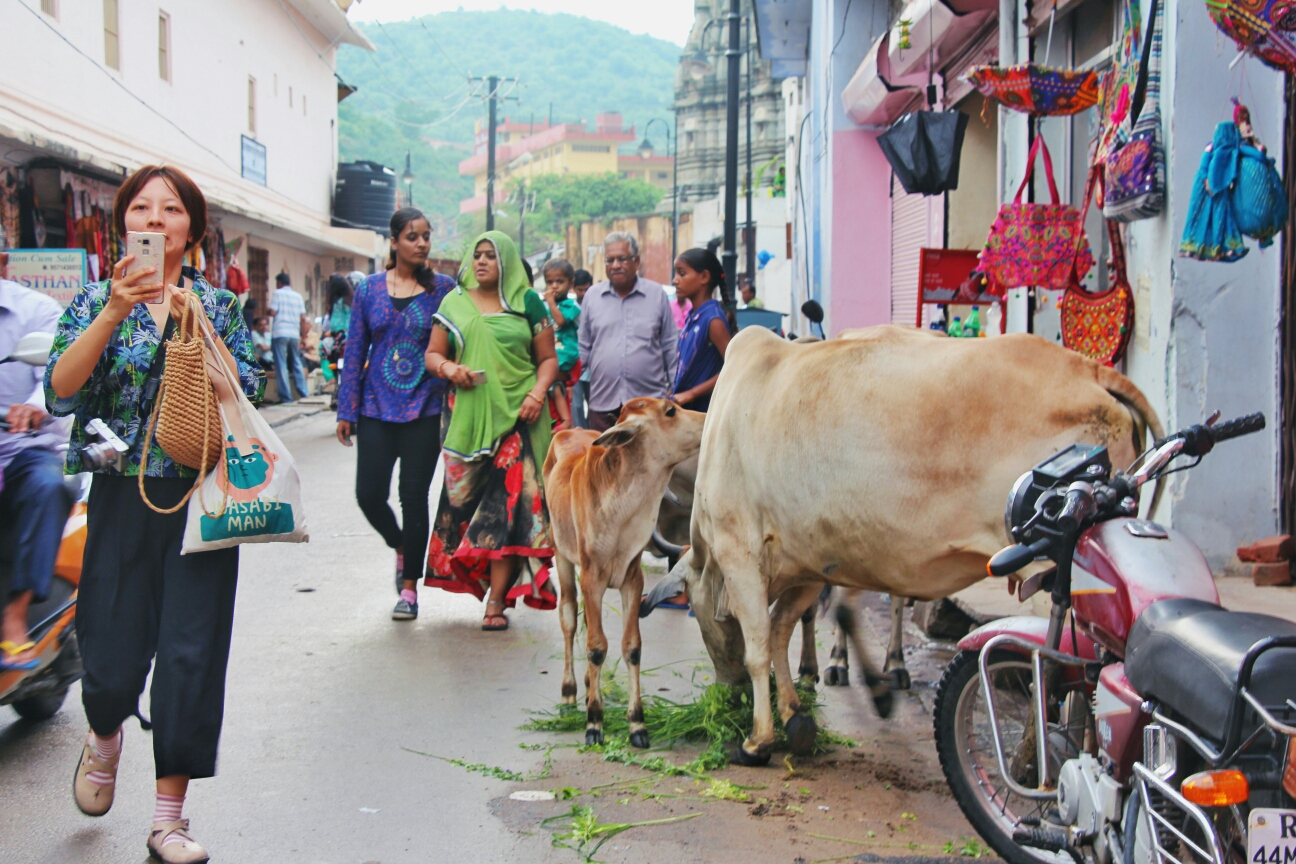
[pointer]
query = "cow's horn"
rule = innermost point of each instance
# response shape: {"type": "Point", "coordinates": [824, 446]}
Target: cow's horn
{"type": "Point", "coordinates": [670, 496]}
{"type": "Point", "coordinates": [668, 548]}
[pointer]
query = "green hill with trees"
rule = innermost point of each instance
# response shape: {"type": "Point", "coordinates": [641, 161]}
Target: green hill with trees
{"type": "Point", "coordinates": [414, 93]}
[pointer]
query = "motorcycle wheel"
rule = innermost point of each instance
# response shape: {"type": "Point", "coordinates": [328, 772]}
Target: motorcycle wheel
{"type": "Point", "coordinates": [40, 707]}
{"type": "Point", "coordinates": [967, 757]}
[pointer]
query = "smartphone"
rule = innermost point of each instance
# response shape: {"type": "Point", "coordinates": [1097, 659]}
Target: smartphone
{"type": "Point", "coordinates": [149, 249]}
{"type": "Point", "coordinates": [479, 377]}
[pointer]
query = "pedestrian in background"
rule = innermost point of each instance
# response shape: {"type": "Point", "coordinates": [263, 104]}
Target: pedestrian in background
{"type": "Point", "coordinates": [707, 331]}
{"type": "Point", "coordinates": [139, 597]}
{"type": "Point", "coordinates": [262, 344]}
{"type": "Point", "coordinates": [33, 504]}
{"type": "Point", "coordinates": [288, 312]}
{"type": "Point", "coordinates": [494, 342]}
{"type": "Point", "coordinates": [747, 291]}
{"type": "Point", "coordinates": [627, 335]}
{"type": "Point", "coordinates": [337, 314]}
{"type": "Point", "coordinates": [391, 403]}
{"type": "Point", "coordinates": [581, 282]}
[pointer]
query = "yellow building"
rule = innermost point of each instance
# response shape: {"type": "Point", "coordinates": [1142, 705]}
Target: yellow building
{"type": "Point", "coordinates": [526, 150]}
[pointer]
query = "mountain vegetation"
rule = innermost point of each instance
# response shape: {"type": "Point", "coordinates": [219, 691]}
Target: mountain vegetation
{"type": "Point", "coordinates": [414, 94]}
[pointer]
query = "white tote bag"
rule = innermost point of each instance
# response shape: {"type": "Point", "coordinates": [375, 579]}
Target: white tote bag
{"type": "Point", "coordinates": [254, 495]}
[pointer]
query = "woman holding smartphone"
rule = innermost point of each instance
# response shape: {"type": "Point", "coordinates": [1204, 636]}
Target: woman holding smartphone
{"type": "Point", "coordinates": [494, 342]}
{"type": "Point", "coordinates": [139, 598]}
{"type": "Point", "coordinates": [391, 402]}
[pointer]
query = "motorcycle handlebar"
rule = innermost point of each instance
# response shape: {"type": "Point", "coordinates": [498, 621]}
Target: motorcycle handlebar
{"type": "Point", "coordinates": [1238, 427]}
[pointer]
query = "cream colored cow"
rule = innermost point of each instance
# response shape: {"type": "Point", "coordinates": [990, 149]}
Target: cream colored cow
{"type": "Point", "coordinates": [878, 460]}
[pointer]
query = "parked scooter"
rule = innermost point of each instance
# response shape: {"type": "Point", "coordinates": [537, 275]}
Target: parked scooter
{"type": "Point", "coordinates": [1154, 726]}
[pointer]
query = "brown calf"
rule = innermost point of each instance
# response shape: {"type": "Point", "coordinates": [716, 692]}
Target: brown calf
{"type": "Point", "coordinates": [603, 492]}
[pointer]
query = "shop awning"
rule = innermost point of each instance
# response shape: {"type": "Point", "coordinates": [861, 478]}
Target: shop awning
{"type": "Point", "coordinates": [871, 98]}
{"type": "Point", "coordinates": [891, 78]}
{"type": "Point", "coordinates": [783, 34]}
{"type": "Point", "coordinates": [937, 30]}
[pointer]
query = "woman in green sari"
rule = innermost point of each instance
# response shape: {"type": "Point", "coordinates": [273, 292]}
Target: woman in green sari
{"type": "Point", "coordinates": [493, 341]}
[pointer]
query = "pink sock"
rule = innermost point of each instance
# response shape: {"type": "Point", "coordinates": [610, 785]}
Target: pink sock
{"type": "Point", "coordinates": [168, 809]}
{"type": "Point", "coordinates": [409, 596]}
{"type": "Point", "coordinates": [106, 749]}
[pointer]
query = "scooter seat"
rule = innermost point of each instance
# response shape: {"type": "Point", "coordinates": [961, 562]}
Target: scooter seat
{"type": "Point", "coordinates": [1187, 654]}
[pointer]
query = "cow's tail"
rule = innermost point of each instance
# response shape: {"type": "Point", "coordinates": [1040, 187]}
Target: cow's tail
{"type": "Point", "coordinates": [1144, 416]}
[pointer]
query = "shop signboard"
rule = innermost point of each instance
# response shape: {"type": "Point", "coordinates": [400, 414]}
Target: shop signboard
{"type": "Point", "coordinates": [941, 272]}
{"type": "Point", "coordinates": [254, 160]}
{"type": "Point", "coordinates": [60, 273]}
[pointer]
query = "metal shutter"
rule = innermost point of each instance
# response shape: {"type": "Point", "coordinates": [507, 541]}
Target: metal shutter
{"type": "Point", "coordinates": [916, 222]}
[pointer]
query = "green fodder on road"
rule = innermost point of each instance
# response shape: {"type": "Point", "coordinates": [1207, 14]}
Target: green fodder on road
{"type": "Point", "coordinates": [719, 717]}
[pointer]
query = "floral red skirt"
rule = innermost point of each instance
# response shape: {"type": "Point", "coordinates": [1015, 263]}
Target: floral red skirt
{"type": "Point", "coordinates": [490, 508]}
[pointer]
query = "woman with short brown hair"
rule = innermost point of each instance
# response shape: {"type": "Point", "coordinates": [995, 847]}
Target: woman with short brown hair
{"type": "Point", "coordinates": [140, 601]}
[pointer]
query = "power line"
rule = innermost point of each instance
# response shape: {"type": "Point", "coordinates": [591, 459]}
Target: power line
{"type": "Point", "coordinates": [406, 59]}
{"type": "Point", "coordinates": [127, 90]}
{"type": "Point", "coordinates": [449, 59]}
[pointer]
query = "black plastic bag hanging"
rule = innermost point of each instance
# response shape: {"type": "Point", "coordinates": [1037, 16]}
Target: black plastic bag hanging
{"type": "Point", "coordinates": [924, 148]}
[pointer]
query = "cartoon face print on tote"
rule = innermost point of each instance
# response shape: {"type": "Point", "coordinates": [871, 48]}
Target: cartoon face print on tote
{"type": "Point", "coordinates": [246, 474]}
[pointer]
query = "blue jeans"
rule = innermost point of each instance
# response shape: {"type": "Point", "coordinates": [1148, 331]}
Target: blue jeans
{"type": "Point", "coordinates": [35, 506]}
{"type": "Point", "coordinates": [580, 404]}
{"type": "Point", "coordinates": [287, 351]}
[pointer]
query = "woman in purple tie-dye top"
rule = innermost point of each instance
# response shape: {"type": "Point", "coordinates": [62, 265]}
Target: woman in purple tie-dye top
{"type": "Point", "coordinates": [390, 402]}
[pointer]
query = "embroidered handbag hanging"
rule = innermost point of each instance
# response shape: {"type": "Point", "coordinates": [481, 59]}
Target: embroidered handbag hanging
{"type": "Point", "coordinates": [1098, 325]}
{"type": "Point", "coordinates": [1264, 28]}
{"type": "Point", "coordinates": [1040, 245]}
{"type": "Point", "coordinates": [1134, 173]}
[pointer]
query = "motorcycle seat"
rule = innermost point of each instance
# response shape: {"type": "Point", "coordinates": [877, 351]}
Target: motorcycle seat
{"type": "Point", "coordinates": [1187, 655]}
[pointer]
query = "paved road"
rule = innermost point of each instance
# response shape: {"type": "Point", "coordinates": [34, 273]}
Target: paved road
{"type": "Point", "coordinates": [325, 691]}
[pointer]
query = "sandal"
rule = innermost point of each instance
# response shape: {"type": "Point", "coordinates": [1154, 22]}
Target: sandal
{"type": "Point", "coordinates": [9, 650]}
{"type": "Point", "coordinates": [498, 616]}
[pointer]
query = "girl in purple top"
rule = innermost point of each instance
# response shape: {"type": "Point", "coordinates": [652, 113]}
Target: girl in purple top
{"type": "Point", "coordinates": [390, 402]}
{"type": "Point", "coordinates": [706, 332]}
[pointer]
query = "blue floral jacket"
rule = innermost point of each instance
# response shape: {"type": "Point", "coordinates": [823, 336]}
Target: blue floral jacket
{"type": "Point", "coordinates": [116, 389]}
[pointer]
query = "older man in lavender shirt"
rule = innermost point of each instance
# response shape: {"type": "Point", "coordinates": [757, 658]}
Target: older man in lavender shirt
{"type": "Point", "coordinates": [628, 339]}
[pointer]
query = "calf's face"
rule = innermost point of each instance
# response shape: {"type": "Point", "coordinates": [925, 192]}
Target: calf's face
{"type": "Point", "coordinates": [664, 433]}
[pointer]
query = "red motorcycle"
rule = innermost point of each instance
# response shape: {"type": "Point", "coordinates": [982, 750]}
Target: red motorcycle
{"type": "Point", "coordinates": [1141, 723]}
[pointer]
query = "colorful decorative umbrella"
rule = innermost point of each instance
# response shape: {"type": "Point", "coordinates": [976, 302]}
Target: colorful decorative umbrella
{"type": "Point", "coordinates": [1037, 90]}
{"type": "Point", "coordinates": [1260, 27]}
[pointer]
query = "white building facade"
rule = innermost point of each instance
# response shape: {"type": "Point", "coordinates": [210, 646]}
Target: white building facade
{"type": "Point", "coordinates": [241, 95]}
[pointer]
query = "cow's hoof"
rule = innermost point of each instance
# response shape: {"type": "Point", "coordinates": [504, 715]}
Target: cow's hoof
{"type": "Point", "coordinates": [835, 676]}
{"type": "Point", "coordinates": [593, 736]}
{"type": "Point", "coordinates": [899, 679]}
{"type": "Point", "coordinates": [801, 732]}
{"type": "Point", "coordinates": [639, 738]}
{"type": "Point", "coordinates": [751, 760]}
{"type": "Point", "coordinates": [883, 701]}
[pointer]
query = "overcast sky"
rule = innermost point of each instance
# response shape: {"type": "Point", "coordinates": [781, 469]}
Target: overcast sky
{"type": "Point", "coordinates": [665, 19]}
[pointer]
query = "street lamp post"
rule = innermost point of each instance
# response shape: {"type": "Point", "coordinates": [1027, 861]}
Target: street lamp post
{"type": "Point", "coordinates": [734, 56]}
{"type": "Point", "coordinates": [408, 179]}
{"type": "Point", "coordinates": [671, 137]}
{"type": "Point", "coordinates": [749, 235]}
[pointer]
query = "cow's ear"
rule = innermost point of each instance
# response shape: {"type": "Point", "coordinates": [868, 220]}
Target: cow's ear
{"type": "Point", "coordinates": [617, 436]}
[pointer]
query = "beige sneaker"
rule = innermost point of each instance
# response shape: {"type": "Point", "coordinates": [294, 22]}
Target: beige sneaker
{"type": "Point", "coordinates": [186, 851]}
{"type": "Point", "coordinates": [91, 798]}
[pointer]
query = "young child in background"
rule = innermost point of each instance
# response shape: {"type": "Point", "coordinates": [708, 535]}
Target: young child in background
{"type": "Point", "coordinates": [262, 344]}
{"type": "Point", "coordinates": [559, 276]}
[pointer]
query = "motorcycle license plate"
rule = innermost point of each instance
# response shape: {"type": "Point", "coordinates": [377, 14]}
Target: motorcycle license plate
{"type": "Point", "coordinates": [1271, 836]}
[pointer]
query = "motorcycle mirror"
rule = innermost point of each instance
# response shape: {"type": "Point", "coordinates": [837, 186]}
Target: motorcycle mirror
{"type": "Point", "coordinates": [32, 349]}
{"type": "Point", "coordinates": [812, 310]}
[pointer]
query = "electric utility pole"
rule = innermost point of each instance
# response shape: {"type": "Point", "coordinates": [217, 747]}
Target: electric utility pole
{"type": "Point", "coordinates": [493, 83]}
{"type": "Point", "coordinates": [749, 236]}
{"type": "Point", "coordinates": [730, 259]}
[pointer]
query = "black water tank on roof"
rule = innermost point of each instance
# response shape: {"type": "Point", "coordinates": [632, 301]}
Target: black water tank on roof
{"type": "Point", "coordinates": [365, 196]}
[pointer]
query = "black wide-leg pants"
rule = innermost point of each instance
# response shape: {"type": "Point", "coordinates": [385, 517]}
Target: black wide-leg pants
{"type": "Point", "coordinates": [140, 599]}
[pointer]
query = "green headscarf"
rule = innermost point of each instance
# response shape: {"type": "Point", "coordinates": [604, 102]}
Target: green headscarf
{"type": "Point", "coordinates": [500, 345]}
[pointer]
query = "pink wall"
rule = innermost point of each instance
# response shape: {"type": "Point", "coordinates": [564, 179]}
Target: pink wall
{"type": "Point", "coordinates": [861, 233]}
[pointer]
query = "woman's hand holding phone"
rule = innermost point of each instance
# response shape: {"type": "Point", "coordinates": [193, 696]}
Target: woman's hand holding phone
{"type": "Point", "coordinates": [460, 376]}
{"type": "Point", "coordinates": [127, 289]}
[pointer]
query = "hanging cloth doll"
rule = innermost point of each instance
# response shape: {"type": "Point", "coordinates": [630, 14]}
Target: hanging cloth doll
{"type": "Point", "coordinates": [1211, 232]}
{"type": "Point", "coordinates": [1259, 198]}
